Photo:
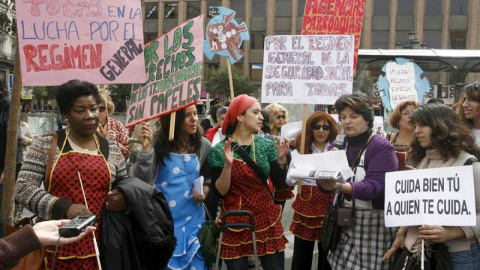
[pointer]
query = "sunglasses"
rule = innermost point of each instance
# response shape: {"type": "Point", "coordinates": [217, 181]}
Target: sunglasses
{"type": "Point", "coordinates": [318, 127]}
{"type": "Point", "coordinates": [281, 117]}
{"type": "Point", "coordinates": [101, 108]}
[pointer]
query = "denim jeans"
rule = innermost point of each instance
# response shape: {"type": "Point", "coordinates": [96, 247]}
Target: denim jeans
{"type": "Point", "coordinates": [275, 261]}
{"type": "Point", "coordinates": [468, 259]}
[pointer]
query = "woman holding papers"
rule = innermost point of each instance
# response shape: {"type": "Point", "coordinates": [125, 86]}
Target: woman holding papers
{"type": "Point", "coordinates": [442, 141]}
{"type": "Point", "coordinates": [240, 166]}
{"type": "Point", "coordinates": [371, 156]}
{"type": "Point", "coordinates": [176, 167]}
{"type": "Point", "coordinates": [310, 205]}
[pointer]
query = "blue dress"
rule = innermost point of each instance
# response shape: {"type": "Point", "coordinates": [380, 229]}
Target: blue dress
{"type": "Point", "coordinates": [175, 180]}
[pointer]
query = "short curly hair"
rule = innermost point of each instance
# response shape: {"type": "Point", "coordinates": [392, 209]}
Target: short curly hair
{"type": "Point", "coordinates": [70, 91]}
{"type": "Point", "coordinates": [397, 113]}
{"type": "Point", "coordinates": [449, 135]}
{"type": "Point", "coordinates": [359, 103]}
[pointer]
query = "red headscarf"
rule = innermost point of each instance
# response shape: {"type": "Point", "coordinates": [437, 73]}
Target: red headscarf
{"type": "Point", "coordinates": [238, 105]}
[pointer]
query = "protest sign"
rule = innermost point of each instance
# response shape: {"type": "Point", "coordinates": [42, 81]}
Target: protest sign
{"type": "Point", "coordinates": [339, 17]}
{"type": "Point", "coordinates": [400, 81]}
{"type": "Point", "coordinates": [173, 63]}
{"type": "Point", "coordinates": [98, 41]}
{"type": "Point", "coordinates": [440, 196]}
{"type": "Point", "coordinates": [307, 69]}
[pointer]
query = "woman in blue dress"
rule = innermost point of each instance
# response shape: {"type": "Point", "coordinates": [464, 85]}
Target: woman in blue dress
{"type": "Point", "coordinates": [174, 166]}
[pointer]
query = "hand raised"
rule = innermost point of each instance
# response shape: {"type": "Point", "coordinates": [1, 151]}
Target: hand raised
{"type": "Point", "coordinates": [228, 152]}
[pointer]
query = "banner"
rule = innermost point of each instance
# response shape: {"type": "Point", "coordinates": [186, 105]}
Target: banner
{"type": "Point", "coordinates": [307, 69]}
{"type": "Point", "coordinates": [98, 41]}
{"type": "Point", "coordinates": [401, 80]}
{"type": "Point", "coordinates": [174, 64]}
{"type": "Point", "coordinates": [339, 17]}
{"type": "Point", "coordinates": [440, 196]}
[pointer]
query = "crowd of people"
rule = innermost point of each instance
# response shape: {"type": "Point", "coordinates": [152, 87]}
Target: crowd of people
{"type": "Point", "coordinates": [237, 159]}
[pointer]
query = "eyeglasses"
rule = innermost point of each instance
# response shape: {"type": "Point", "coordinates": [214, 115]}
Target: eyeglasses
{"type": "Point", "coordinates": [101, 108]}
{"type": "Point", "coordinates": [318, 127]}
{"type": "Point", "coordinates": [281, 117]}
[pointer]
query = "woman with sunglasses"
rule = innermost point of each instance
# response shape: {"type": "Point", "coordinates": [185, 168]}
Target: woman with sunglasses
{"type": "Point", "coordinates": [245, 187]}
{"type": "Point", "coordinates": [442, 141]}
{"type": "Point", "coordinates": [469, 109]}
{"type": "Point", "coordinates": [278, 116]}
{"type": "Point", "coordinates": [370, 156]}
{"type": "Point", "coordinates": [110, 128]}
{"type": "Point", "coordinates": [310, 205]}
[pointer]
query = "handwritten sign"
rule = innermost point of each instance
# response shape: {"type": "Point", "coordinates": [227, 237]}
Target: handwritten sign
{"type": "Point", "coordinates": [307, 69]}
{"type": "Point", "coordinates": [98, 41]}
{"type": "Point", "coordinates": [401, 81]}
{"type": "Point", "coordinates": [174, 64]}
{"type": "Point", "coordinates": [340, 17]}
{"type": "Point", "coordinates": [440, 196]}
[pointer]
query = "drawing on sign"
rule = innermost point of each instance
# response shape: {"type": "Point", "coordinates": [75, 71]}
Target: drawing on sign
{"type": "Point", "coordinates": [401, 80]}
{"type": "Point", "coordinates": [224, 36]}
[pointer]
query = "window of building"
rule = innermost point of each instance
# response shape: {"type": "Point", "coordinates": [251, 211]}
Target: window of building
{"type": "Point", "coordinates": [459, 7]}
{"type": "Point", "coordinates": [256, 71]}
{"type": "Point", "coordinates": [193, 9]}
{"type": "Point", "coordinates": [405, 7]}
{"type": "Point", "coordinates": [381, 8]}
{"type": "Point", "coordinates": [283, 8]}
{"type": "Point", "coordinates": [258, 8]}
{"type": "Point", "coordinates": [151, 10]}
{"type": "Point", "coordinates": [171, 10]}
{"type": "Point", "coordinates": [256, 39]}
{"type": "Point", "coordinates": [211, 8]}
{"type": "Point", "coordinates": [301, 8]}
{"type": "Point", "coordinates": [433, 39]}
{"type": "Point", "coordinates": [150, 36]}
{"type": "Point", "coordinates": [458, 40]}
{"type": "Point", "coordinates": [380, 39]}
{"type": "Point", "coordinates": [239, 7]}
{"type": "Point", "coordinates": [433, 7]}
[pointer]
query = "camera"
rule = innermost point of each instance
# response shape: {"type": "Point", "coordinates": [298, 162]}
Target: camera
{"type": "Point", "coordinates": [76, 226]}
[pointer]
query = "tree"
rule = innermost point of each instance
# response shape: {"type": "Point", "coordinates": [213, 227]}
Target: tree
{"type": "Point", "coordinates": [217, 83]}
{"type": "Point", "coordinates": [119, 94]}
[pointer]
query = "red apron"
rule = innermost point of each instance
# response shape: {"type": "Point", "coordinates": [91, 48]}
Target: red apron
{"type": "Point", "coordinates": [65, 183]}
{"type": "Point", "coordinates": [309, 209]}
{"type": "Point", "coordinates": [247, 192]}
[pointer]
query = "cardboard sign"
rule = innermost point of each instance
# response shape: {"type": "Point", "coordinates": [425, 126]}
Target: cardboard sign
{"type": "Point", "coordinates": [339, 17]}
{"type": "Point", "coordinates": [98, 41]}
{"type": "Point", "coordinates": [307, 69]}
{"type": "Point", "coordinates": [174, 64]}
{"type": "Point", "coordinates": [440, 196]}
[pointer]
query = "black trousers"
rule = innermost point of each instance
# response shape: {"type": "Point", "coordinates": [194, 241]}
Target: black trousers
{"type": "Point", "coordinates": [275, 261]}
{"type": "Point", "coordinates": [303, 255]}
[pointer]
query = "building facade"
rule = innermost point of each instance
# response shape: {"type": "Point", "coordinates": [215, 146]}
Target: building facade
{"type": "Point", "coordinates": [439, 24]}
{"type": "Point", "coordinates": [7, 40]}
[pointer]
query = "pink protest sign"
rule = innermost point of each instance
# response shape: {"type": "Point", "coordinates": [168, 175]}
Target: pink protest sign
{"type": "Point", "coordinates": [98, 41]}
{"type": "Point", "coordinates": [174, 64]}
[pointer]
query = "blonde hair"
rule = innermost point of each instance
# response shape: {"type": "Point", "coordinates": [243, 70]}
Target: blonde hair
{"type": "Point", "coordinates": [273, 110]}
{"type": "Point", "coordinates": [107, 101]}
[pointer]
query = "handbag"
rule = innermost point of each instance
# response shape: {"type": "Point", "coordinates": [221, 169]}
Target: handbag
{"type": "Point", "coordinates": [438, 258]}
{"type": "Point", "coordinates": [207, 237]}
{"type": "Point", "coordinates": [330, 232]}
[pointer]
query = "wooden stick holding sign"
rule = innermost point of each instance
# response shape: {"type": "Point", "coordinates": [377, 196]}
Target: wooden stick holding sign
{"type": "Point", "coordinates": [171, 134]}
{"type": "Point", "coordinates": [230, 78]}
{"type": "Point", "coordinates": [302, 140]}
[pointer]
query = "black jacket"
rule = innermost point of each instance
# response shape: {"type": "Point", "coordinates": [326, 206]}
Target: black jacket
{"type": "Point", "coordinates": [143, 238]}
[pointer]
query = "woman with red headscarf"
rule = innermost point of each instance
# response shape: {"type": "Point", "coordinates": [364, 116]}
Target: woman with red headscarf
{"type": "Point", "coordinates": [244, 189]}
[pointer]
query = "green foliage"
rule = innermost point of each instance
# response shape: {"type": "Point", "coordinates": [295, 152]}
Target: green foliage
{"type": "Point", "coordinates": [217, 83]}
{"type": "Point", "coordinates": [119, 93]}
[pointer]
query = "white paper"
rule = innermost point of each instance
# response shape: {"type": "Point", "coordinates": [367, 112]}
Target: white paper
{"type": "Point", "coordinates": [332, 165]}
{"type": "Point", "coordinates": [440, 196]}
{"type": "Point", "coordinates": [198, 185]}
{"type": "Point", "coordinates": [291, 130]}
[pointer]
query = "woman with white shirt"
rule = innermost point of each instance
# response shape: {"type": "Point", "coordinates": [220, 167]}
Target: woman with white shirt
{"type": "Point", "coordinates": [310, 204]}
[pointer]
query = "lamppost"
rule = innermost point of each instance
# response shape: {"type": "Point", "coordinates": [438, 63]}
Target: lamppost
{"type": "Point", "coordinates": [412, 44]}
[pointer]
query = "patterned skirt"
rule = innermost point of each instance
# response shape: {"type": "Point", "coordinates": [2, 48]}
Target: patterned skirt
{"type": "Point", "coordinates": [363, 246]}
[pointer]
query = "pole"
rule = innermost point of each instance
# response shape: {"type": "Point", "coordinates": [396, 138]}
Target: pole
{"type": "Point", "coordinates": [12, 138]}
{"type": "Point", "coordinates": [230, 78]}
{"type": "Point", "coordinates": [302, 139]}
